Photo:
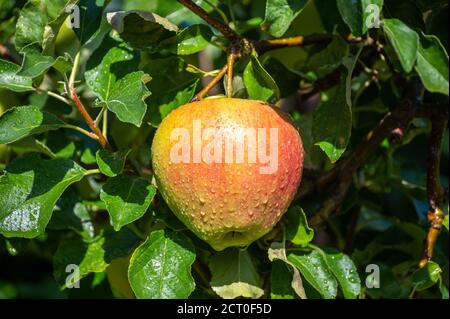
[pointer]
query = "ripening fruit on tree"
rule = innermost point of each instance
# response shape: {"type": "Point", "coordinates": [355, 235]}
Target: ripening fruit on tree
{"type": "Point", "coordinates": [228, 168]}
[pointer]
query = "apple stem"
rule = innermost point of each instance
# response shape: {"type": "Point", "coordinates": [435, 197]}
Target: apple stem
{"type": "Point", "coordinates": [230, 62]}
{"type": "Point", "coordinates": [200, 95]}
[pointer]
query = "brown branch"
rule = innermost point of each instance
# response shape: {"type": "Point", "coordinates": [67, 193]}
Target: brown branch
{"type": "Point", "coordinates": [434, 188]}
{"type": "Point", "coordinates": [227, 32]}
{"type": "Point", "coordinates": [90, 122]}
{"type": "Point", "coordinates": [200, 95]}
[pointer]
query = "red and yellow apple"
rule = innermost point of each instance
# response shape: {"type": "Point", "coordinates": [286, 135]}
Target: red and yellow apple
{"type": "Point", "coordinates": [228, 168]}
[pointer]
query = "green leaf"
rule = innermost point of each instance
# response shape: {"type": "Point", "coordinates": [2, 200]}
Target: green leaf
{"type": "Point", "coordinates": [127, 98]}
{"type": "Point", "coordinates": [90, 257]}
{"type": "Point", "coordinates": [358, 15]}
{"type": "Point", "coordinates": [345, 272]}
{"type": "Point", "coordinates": [297, 229]}
{"type": "Point", "coordinates": [332, 123]}
{"type": "Point", "coordinates": [39, 22]}
{"type": "Point", "coordinates": [9, 79]}
{"type": "Point", "coordinates": [142, 30]}
{"type": "Point", "coordinates": [234, 274]}
{"type": "Point", "coordinates": [280, 14]}
{"type": "Point", "coordinates": [445, 223]}
{"type": "Point", "coordinates": [111, 163]}
{"type": "Point", "coordinates": [404, 40]}
{"type": "Point", "coordinates": [189, 41]}
{"type": "Point", "coordinates": [161, 267]}
{"type": "Point", "coordinates": [315, 270]}
{"type": "Point", "coordinates": [110, 75]}
{"type": "Point", "coordinates": [30, 188]}
{"type": "Point", "coordinates": [127, 198]}
{"type": "Point", "coordinates": [432, 64]}
{"type": "Point", "coordinates": [426, 277]}
{"type": "Point", "coordinates": [260, 85]}
{"type": "Point", "coordinates": [110, 62]}
{"type": "Point", "coordinates": [23, 121]}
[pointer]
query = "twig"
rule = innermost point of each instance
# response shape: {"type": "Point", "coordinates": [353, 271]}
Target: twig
{"type": "Point", "coordinates": [200, 95]}
{"type": "Point", "coordinates": [434, 188]}
{"type": "Point", "coordinates": [90, 122]}
{"type": "Point", "coordinates": [227, 32]}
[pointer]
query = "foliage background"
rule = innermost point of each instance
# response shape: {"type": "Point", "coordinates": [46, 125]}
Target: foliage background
{"type": "Point", "coordinates": [69, 213]}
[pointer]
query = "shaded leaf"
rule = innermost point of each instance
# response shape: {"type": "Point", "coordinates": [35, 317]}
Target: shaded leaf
{"type": "Point", "coordinates": [332, 123]}
{"type": "Point", "coordinates": [171, 86]}
{"type": "Point", "coordinates": [142, 30]}
{"type": "Point", "coordinates": [30, 188]}
{"type": "Point", "coordinates": [91, 20]}
{"type": "Point", "coordinates": [161, 267]}
{"type": "Point", "coordinates": [90, 257]}
{"type": "Point", "coordinates": [111, 163]}
{"type": "Point", "coordinates": [127, 198]}
{"type": "Point", "coordinates": [234, 274]}
{"type": "Point", "coordinates": [329, 59]}
{"type": "Point", "coordinates": [280, 275]}
{"type": "Point", "coordinates": [277, 251]}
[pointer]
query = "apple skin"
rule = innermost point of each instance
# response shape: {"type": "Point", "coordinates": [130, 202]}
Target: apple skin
{"type": "Point", "coordinates": [228, 204]}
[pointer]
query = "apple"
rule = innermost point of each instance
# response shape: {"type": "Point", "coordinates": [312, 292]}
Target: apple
{"type": "Point", "coordinates": [228, 168]}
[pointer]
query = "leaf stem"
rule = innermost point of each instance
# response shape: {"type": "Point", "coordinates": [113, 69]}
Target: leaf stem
{"type": "Point", "coordinates": [55, 95]}
{"type": "Point", "coordinates": [92, 172]}
{"type": "Point", "coordinates": [101, 138]}
{"type": "Point", "coordinates": [82, 131]}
